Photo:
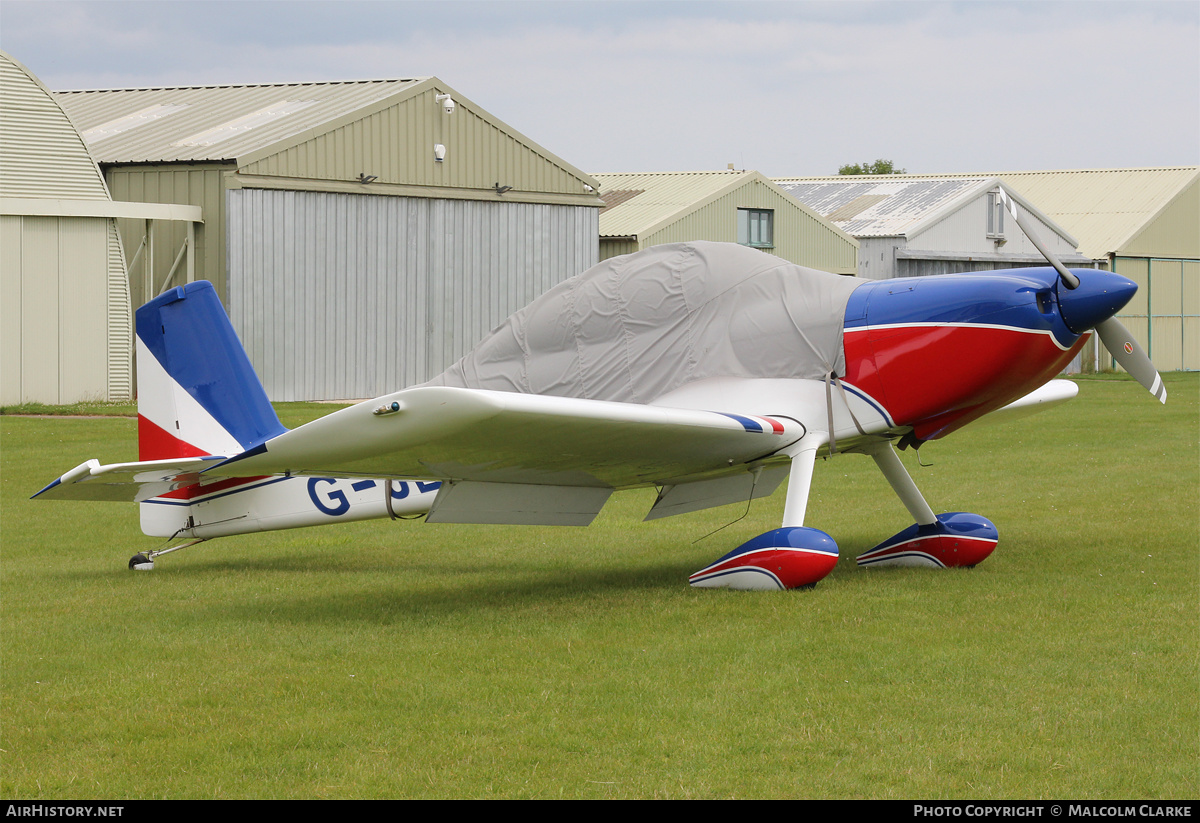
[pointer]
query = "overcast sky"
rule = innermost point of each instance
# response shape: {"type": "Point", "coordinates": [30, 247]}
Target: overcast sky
{"type": "Point", "coordinates": [788, 88]}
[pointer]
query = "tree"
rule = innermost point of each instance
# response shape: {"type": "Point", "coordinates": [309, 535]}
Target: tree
{"type": "Point", "coordinates": [880, 166]}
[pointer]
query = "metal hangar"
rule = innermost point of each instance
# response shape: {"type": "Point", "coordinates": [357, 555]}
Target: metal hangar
{"type": "Point", "coordinates": [649, 209]}
{"type": "Point", "coordinates": [363, 235]}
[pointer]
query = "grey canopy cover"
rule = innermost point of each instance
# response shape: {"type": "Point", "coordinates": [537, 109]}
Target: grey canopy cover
{"type": "Point", "coordinates": [633, 328]}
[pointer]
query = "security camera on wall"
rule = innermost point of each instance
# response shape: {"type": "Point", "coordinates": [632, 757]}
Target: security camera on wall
{"type": "Point", "coordinates": [447, 103]}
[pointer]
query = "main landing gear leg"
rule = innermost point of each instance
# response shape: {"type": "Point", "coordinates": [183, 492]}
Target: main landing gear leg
{"type": "Point", "coordinates": [940, 541]}
{"type": "Point", "coordinates": [789, 557]}
{"type": "Point", "coordinates": [144, 562]}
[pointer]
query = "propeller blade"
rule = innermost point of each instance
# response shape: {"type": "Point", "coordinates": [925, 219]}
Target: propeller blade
{"type": "Point", "coordinates": [1129, 354]}
{"type": "Point", "coordinates": [1115, 336]}
{"type": "Point", "coordinates": [1069, 280]}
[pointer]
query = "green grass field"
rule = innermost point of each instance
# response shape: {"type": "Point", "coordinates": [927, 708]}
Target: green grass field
{"type": "Point", "coordinates": [410, 660]}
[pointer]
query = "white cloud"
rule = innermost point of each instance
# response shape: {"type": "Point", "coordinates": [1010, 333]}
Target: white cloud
{"type": "Point", "coordinates": [790, 88]}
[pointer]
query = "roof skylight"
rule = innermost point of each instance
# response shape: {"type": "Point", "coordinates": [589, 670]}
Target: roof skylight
{"type": "Point", "coordinates": [243, 124]}
{"type": "Point", "coordinates": [132, 121]}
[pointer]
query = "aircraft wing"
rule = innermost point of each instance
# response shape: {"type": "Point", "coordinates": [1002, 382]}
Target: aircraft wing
{"type": "Point", "coordinates": [505, 437]}
{"type": "Point", "coordinates": [504, 457]}
{"type": "Point", "coordinates": [516, 458]}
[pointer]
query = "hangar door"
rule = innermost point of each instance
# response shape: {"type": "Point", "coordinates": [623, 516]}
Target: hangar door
{"type": "Point", "coordinates": [347, 296]}
{"type": "Point", "coordinates": [1164, 314]}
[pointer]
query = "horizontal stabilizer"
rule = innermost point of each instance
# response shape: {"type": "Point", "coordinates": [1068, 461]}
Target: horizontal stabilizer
{"type": "Point", "coordinates": [127, 482]}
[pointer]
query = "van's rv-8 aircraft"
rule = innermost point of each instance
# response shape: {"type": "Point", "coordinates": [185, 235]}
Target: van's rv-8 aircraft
{"type": "Point", "coordinates": [710, 371]}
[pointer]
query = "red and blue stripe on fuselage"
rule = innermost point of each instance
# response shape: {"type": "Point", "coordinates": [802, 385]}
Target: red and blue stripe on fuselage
{"type": "Point", "coordinates": [938, 352]}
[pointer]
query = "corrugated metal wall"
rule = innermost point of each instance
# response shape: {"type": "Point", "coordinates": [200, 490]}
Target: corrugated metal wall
{"type": "Point", "coordinates": [1164, 314]}
{"type": "Point", "coordinates": [798, 236]}
{"type": "Point", "coordinates": [965, 230]}
{"type": "Point", "coordinates": [959, 243]}
{"type": "Point", "coordinates": [396, 144]}
{"type": "Point", "coordinates": [341, 296]}
{"type": "Point", "coordinates": [923, 268]}
{"type": "Point", "coordinates": [1161, 259]}
{"type": "Point", "coordinates": [877, 257]}
{"type": "Point", "coordinates": [611, 247]}
{"type": "Point", "coordinates": [120, 320]}
{"type": "Point", "coordinates": [1172, 233]}
{"type": "Point", "coordinates": [65, 323]}
{"type": "Point", "coordinates": [194, 185]}
{"type": "Point", "coordinates": [65, 326]}
{"type": "Point", "coordinates": [41, 154]}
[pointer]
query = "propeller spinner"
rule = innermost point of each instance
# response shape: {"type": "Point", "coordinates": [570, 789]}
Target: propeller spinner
{"type": "Point", "coordinates": [1092, 305]}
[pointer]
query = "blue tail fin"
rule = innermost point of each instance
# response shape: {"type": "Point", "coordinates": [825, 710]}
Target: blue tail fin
{"type": "Point", "coordinates": [197, 392]}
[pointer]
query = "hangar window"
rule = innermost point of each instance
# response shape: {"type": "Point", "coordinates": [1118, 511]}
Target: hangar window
{"type": "Point", "coordinates": [995, 216]}
{"type": "Point", "coordinates": [756, 227]}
